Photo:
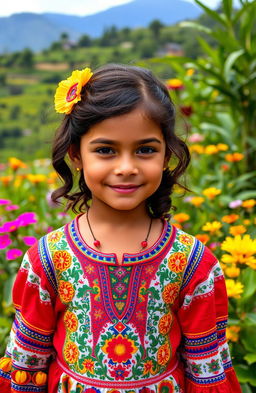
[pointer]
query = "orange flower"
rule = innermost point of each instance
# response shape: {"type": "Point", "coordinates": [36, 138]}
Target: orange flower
{"type": "Point", "coordinates": [88, 366]}
{"type": "Point", "coordinates": [164, 324]}
{"type": "Point", "coordinates": [174, 84]}
{"type": "Point", "coordinates": [36, 179]}
{"type": "Point", "coordinates": [249, 203]}
{"type": "Point", "coordinates": [71, 321]}
{"type": "Point", "coordinates": [211, 149]}
{"type": "Point", "coordinates": [71, 352]}
{"type": "Point", "coordinates": [230, 218]}
{"type": "Point", "coordinates": [119, 349]}
{"type": "Point", "coordinates": [148, 367]}
{"type": "Point", "coordinates": [170, 293]}
{"type": "Point", "coordinates": [203, 237]}
{"type": "Point", "coordinates": [196, 201]}
{"type": "Point", "coordinates": [15, 163]}
{"type": "Point", "coordinates": [196, 148]}
{"type": "Point", "coordinates": [237, 230]}
{"type": "Point", "coordinates": [234, 157]}
{"type": "Point", "coordinates": [222, 147]}
{"type": "Point", "coordinates": [62, 260]}
{"type": "Point", "coordinates": [186, 239]}
{"type": "Point", "coordinates": [6, 180]}
{"type": "Point", "coordinates": [66, 291]}
{"type": "Point", "coordinates": [55, 236]}
{"type": "Point", "coordinates": [181, 217]}
{"type": "Point", "coordinates": [177, 262]}
{"type": "Point", "coordinates": [163, 354]}
{"type": "Point", "coordinates": [232, 333]}
{"type": "Point", "coordinates": [98, 314]}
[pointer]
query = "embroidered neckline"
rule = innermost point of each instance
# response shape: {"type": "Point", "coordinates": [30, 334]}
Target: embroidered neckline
{"type": "Point", "coordinates": [149, 254]}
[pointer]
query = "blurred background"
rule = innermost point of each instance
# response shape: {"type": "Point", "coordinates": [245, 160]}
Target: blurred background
{"type": "Point", "coordinates": [204, 51]}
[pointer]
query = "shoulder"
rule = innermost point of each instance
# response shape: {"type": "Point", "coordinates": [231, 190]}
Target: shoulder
{"type": "Point", "coordinates": [200, 260]}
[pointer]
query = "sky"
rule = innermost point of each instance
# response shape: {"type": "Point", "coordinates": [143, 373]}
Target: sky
{"type": "Point", "coordinates": [74, 7]}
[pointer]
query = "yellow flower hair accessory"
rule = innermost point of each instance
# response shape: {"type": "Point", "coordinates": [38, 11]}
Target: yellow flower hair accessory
{"type": "Point", "coordinates": [68, 90]}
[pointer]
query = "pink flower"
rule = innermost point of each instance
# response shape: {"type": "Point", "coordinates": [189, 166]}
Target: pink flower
{"type": "Point", "coordinates": [235, 203]}
{"type": "Point", "coordinates": [10, 226]}
{"type": "Point", "coordinates": [13, 253]}
{"type": "Point", "coordinates": [29, 240]}
{"type": "Point", "coordinates": [5, 201]}
{"type": "Point", "coordinates": [11, 207]}
{"type": "Point", "coordinates": [195, 138]}
{"type": "Point", "coordinates": [5, 241]}
{"type": "Point", "coordinates": [25, 219]}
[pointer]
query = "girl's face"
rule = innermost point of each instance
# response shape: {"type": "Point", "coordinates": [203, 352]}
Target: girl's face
{"type": "Point", "coordinates": [122, 159]}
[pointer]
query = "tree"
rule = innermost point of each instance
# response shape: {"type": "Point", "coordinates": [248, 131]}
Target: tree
{"type": "Point", "coordinates": [26, 58]}
{"type": "Point", "coordinates": [155, 26]}
{"type": "Point", "coordinates": [84, 41]}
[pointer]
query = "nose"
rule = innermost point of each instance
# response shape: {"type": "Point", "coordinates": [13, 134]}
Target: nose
{"type": "Point", "coordinates": [126, 165]}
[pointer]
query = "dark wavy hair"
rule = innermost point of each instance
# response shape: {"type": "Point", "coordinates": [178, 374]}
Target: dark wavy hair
{"type": "Point", "coordinates": [114, 90]}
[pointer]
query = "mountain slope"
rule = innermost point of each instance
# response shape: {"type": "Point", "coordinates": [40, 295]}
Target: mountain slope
{"type": "Point", "coordinates": [38, 31]}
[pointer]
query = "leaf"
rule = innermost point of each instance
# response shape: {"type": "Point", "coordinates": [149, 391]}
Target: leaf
{"type": "Point", "coordinates": [230, 62]}
{"type": "Point", "coordinates": [250, 358]}
{"type": "Point", "coordinates": [196, 26]}
{"type": "Point", "coordinates": [227, 6]}
{"type": "Point", "coordinates": [248, 278]}
{"type": "Point", "coordinates": [246, 374]}
{"type": "Point", "coordinates": [208, 49]}
{"type": "Point", "coordinates": [217, 129]}
{"type": "Point", "coordinates": [246, 195]}
{"type": "Point", "coordinates": [8, 285]}
{"type": "Point", "coordinates": [250, 318]}
{"type": "Point", "coordinates": [219, 18]}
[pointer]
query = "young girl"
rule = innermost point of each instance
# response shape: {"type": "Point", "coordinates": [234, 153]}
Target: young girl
{"type": "Point", "coordinates": [118, 300]}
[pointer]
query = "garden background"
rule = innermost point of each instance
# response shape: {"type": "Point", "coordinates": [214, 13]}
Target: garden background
{"type": "Point", "coordinates": [213, 84]}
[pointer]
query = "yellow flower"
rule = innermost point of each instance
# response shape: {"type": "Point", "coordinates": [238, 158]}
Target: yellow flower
{"type": "Point", "coordinates": [68, 90]}
{"type": "Point", "coordinates": [196, 201]}
{"type": "Point", "coordinates": [249, 203]}
{"type": "Point", "coordinates": [199, 149]}
{"type": "Point", "coordinates": [241, 249]}
{"type": "Point", "coordinates": [211, 149]}
{"type": "Point", "coordinates": [181, 217]}
{"type": "Point", "coordinates": [35, 179]}
{"type": "Point", "coordinates": [232, 271]}
{"type": "Point", "coordinates": [246, 222]}
{"type": "Point", "coordinates": [237, 230]}
{"type": "Point", "coordinates": [222, 147]}
{"type": "Point", "coordinates": [15, 163]}
{"type": "Point", "coordinates": [174, 84]}
{"type": "Point", "coordinates": [190, 72]}
{"type": "Point", "coordinates": [211, 192]}
{"type": "Point", "coordinates": [212, 227]}
{"type": "Point", "coordinates": [6, 180]}
{"type": "Point", "coordinates": [234, 288]}
{"type": "Point", "coordinates": [232, 333]}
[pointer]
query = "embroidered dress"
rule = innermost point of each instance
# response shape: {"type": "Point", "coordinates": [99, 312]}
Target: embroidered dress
{"type": "Point", "coordinates": [155, 324]}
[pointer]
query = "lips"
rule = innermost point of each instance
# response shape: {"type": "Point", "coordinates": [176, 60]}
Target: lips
{"type": "Point", "coordinates": [125, 188]}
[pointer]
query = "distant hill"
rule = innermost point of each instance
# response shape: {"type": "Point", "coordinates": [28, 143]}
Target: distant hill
{"type": "Point", "coordinates": [38, 31]}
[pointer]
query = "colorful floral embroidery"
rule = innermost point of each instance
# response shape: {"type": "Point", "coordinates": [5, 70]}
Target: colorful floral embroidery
{"type": "Point", "coordinates": [70, 321]}
{"type": "Point", "coordinates": [166, 386]}
{"type": "Point", "coordinates": [71, 352]}
{"type": "Point", "coordinates": [119, 349]}
{"type": "Point", "coordinates": [66, 291]}
{"type": "Point", "coordinates": [177, 262]}
{"type": "Point", "coordinates": [62, 260]}
{"type": "Point", "coordinates": [88, 366]}
{"type": "Point", "coordinates": [170, 293]}
{"type": "Point", "coordinates": [164, 324]}
{"type": "Point", "coordinates": [163, 354]}
{"type": "Point", "coordinates": [186, 239]}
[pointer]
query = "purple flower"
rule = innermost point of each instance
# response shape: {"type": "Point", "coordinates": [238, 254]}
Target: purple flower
{"type": "Point", "coordinates": [236, 203]}
{"type": "Point", "coordinates": [10, 226]}
{"type": "Point", "coordinates": [5, 201]}
{"type": "Point", "coordinates": [13, 253]}
{"type": "Point", "coordinates": [5, 241]}
{"type": "Point", "coordinates": [25, 219]}
{"type": "Point", "coordinates": [29, 240]}
{"type": "Point", "coordinates": [11, 207]}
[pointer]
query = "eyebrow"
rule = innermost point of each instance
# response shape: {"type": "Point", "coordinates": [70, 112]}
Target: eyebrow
{"type": "Point", "coordinates": [112, 142]}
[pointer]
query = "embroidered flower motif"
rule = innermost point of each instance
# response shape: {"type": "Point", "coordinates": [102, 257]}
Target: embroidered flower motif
{"type": "Point", "coordinates": [66, 291]}
{"type": "Point", "coordinates": [98, 314]}
{"type": "Point", "coordinates": [196, 368]}
{"type": "Point", "coordinates": [214, 366]}
{"type": "Point", "coordinates": [186, 239]}
{"type": "Point", "coordinates": [62, 260]}
{"type": "Point", "coordinates": [119, 373]}
{"type": "Point", "coordinates": [164, 324]}
{"type": "Point", "coordinates": [163, 354]}
{"type": "Point", "coordinates": [177, 262]}
{"type": "Point", "coordinates": [88, 366]}
{"type": "Point", "coordinates": [89, 268]}
{"type": "Point", "coordinates": [92, 390]}
{"type": "Point", "coordinates": [68, 91]}
{"type": "Point", "coordinates": [146, 390]}
{"type": "Point", "coordinates": [148, 367]}
{"type": "Point", "coordinates": [55, 237]}
{"type": "Point", "coordinates": [32, 360]}
{"type": "Point", "coordinates": [70, 321]}
{"type": "Point", "coordinates": [115, 391]}
{"type": "Point", "coordinates": [119, 349]}
{"type": "Point", "coordinates": [71, 352]}
{"type": "Point", "coordinates": [139, 315]}
{"type": "Point", "coordinates": [165, 386]}
{"type": "Point", "coordinates": [170, 293]}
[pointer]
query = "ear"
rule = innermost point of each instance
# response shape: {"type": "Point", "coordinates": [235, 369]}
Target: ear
{"type": "Point", "coordinates": [74, 156]}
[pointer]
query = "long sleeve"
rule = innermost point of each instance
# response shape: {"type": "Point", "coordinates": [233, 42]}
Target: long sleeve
{"type": "Point", "coordinates": [203, 319]}
{"type": "Point", "coordinates": [25, 364]}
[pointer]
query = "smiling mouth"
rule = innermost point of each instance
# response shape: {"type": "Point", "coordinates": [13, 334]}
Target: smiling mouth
{"type": "Point", "coordinates": [125, 189]}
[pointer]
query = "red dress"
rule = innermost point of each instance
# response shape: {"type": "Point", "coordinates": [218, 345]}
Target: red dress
{"type": "Point", "coordinates": [84, 324]}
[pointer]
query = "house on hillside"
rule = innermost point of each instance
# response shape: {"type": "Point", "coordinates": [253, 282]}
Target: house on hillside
{"type": "Point", "coordinates": [171, 49]}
